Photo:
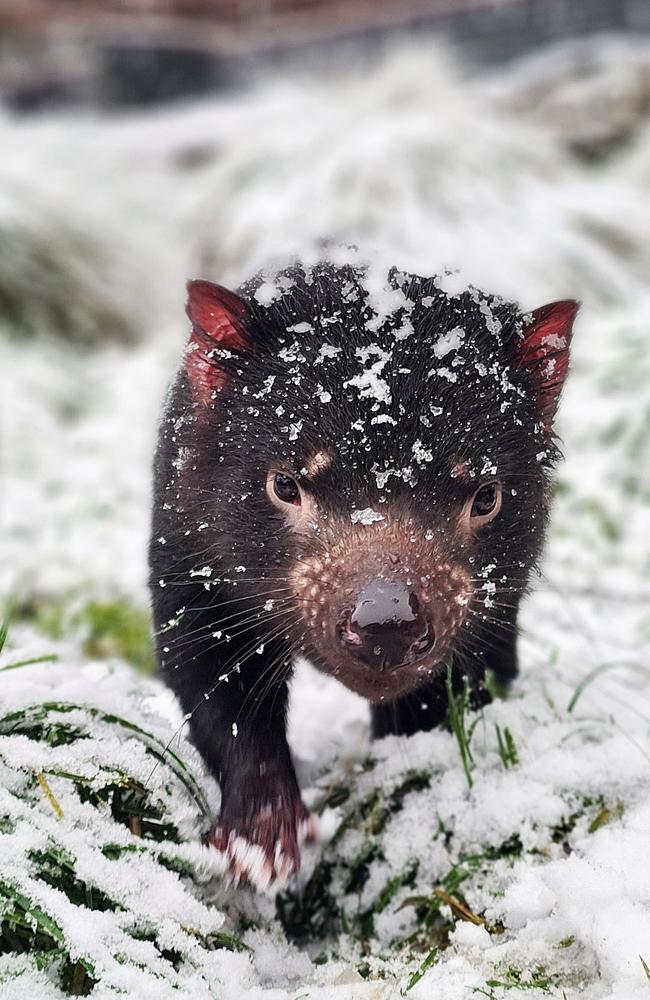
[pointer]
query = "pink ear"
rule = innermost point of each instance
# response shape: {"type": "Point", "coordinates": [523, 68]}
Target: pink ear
{"type": "Point", "coordinates": [545, 351]}
{"type": "Point", "coordinates": [219, 319]}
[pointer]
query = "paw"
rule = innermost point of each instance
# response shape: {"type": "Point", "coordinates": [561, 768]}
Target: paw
{"type": "Point", "coordinates": [263, 850]}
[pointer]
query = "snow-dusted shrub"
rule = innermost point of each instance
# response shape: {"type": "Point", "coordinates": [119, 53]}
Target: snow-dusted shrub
{"type": "Point", "coordinates": [75, 255]}
{"type": "Point", "coordinates": [57, 276]}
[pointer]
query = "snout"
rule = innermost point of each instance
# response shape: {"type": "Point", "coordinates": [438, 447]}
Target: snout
{"type": "Point", "coordinates": [382, 605]}
{"type": "Point", "coordinates": [386, 629]}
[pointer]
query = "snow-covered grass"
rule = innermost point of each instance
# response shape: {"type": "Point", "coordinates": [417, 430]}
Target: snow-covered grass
{"type": "Point", "coordinates": [101, 869]}
{"type": "Point", "coordinates": [533, 877]}
{"type": "Point", "coordinates": [533, 881]}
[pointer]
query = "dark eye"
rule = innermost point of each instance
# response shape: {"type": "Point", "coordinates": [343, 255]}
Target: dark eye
{"type": "Point", "coordinates": [486, 500]}
{"type": "Point", "coordinates": [286, 488]}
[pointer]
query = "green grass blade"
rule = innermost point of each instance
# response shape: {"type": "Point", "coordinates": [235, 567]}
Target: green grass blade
{"type": "Point", "coordinates": [4, 631]}
{"type": "Point", "coordinates": [50, 658]}
{"type": "Point", "coordinates": [457, 708]}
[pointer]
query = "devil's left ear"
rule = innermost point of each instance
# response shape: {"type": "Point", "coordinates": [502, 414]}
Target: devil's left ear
{"type": "Point", "coordinates": [220, 319]}
{"type": "Point", "coordinates": [544, 350]}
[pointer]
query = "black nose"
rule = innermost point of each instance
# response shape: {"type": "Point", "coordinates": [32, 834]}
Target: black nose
{"type": "Point", "coordinates": [386, 629]}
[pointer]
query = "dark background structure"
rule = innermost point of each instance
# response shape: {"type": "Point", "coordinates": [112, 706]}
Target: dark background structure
{"type": "Point", "coordinates": [130, 52]}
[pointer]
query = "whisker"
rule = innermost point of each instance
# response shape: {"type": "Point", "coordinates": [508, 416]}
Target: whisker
{"type": "Point", "coordinates": [246, 615]}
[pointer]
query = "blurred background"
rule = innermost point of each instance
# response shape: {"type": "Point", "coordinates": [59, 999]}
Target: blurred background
{"type": "Point", "coordinates": [148, 141]}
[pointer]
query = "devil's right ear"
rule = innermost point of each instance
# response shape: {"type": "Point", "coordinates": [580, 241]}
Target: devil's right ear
{"type": "Point", "coordinates": [220, 319]}
{"type": "Point", "coordinates": [544, 351]}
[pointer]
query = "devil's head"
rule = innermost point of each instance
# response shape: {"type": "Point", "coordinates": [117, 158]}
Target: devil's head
{"type": "Point", "coordinates": [366, 460]}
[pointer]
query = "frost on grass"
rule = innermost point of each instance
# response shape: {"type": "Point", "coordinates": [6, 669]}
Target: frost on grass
{"type": "Point", "coordinates": [501, 868]}
{"type": "Point", "coordinates": [102, 876]}
{"type": "Point", "coordinates": [517, 881]}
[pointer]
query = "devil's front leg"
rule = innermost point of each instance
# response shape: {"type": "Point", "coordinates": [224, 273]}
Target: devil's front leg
{"type": "Point", "coordinates": [237, 721]}
{"type": "Point", "coordinates": [262, 818]}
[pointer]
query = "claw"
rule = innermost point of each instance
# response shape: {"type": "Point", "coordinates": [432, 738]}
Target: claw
{"type": "Point", "coordinates": [265, 851]}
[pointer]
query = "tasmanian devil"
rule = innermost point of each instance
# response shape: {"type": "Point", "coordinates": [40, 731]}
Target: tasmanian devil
{"type": "Point", "coordinates": [354, 465]}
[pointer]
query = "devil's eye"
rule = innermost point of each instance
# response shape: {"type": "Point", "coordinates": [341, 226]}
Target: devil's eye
{"type": "Point", "coordinates": [486, 500]}
{"type": "Point", "coordinates": [286, 488]}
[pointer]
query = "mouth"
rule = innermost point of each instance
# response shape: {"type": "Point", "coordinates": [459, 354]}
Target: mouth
{"type": "Point", "coordinates": [377, 685]}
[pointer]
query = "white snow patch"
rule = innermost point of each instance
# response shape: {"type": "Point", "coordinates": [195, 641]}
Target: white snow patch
{"type": "Point", "coordinates": [366, 516]}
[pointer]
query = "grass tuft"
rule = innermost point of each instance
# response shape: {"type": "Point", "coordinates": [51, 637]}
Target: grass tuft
{"type": "Point", "coordinates": [506, 746]}
{"type": "Point", "coordinates": [88, 817]}
{"type": "Point", "coordinates": [458, 708]}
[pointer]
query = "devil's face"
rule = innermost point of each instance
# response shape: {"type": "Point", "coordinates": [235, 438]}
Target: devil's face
{"type": "Point", "coordinates": [377, 466]}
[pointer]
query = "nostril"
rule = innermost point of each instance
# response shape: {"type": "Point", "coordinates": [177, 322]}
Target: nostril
{"type": "Point", "coordinates": [347, 634]}
{"type": "Point", "coordinates": [423, 645]}
{"type": "Point", "coordinates": [348, 631]}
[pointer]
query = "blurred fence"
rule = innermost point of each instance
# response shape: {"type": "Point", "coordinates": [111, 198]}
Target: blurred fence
{"type": "Point", "coordinates": [137, 51]}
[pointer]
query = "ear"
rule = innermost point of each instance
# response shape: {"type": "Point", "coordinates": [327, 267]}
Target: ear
{"type": "Point", "coordinates": [220, 319]}
{"type": "Point", "coordinates": [544, 350]}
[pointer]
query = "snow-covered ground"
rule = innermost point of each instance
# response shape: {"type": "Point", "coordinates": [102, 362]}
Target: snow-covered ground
{"type": "Point", "coordinates": [535, 879]}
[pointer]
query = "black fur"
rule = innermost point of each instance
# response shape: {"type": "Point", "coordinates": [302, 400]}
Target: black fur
{"type": "Point", "coordinates": [219, 550]}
